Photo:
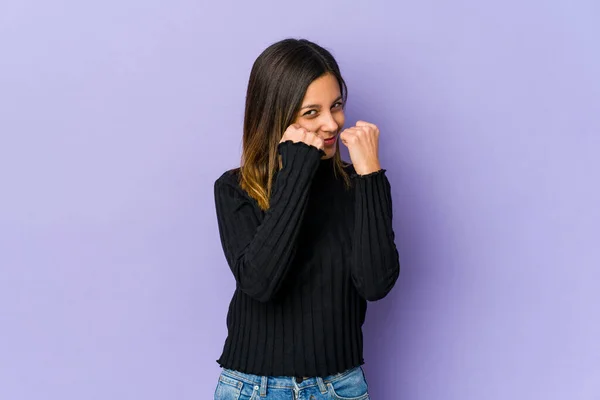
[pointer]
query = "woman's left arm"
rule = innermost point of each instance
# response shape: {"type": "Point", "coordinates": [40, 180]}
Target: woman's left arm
{"type": "Point", "coordinates": [375, 264]}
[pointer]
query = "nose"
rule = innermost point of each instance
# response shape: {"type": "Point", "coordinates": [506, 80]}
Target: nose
{"type": "Point", "coordinates": [329, 123]}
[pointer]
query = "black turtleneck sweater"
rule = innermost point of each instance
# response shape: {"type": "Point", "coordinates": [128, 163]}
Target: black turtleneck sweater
{"type": "Point", "coordinates": [305, 268]}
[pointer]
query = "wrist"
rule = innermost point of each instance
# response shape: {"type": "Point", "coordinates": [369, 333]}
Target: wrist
{"type": "Point", "coordinates": [367, 169]}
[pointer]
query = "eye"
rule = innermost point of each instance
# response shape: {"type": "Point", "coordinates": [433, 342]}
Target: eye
{"type": "Point", "coordinates": [337, 105]}
{"type": "Point", "coordinates": [310, 113]}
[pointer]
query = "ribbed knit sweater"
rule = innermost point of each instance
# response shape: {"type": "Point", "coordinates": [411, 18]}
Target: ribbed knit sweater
{"type": "Point", "coordinates": [306, 267]}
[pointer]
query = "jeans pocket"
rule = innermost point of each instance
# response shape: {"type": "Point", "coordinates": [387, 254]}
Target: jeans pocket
{"type": "Point", "coordinates": [353, 386]}
{"type": "Point", "coordinates": [230, 388]}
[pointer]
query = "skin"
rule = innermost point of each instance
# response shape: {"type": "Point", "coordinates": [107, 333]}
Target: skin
{"type": "Point", "coordinates": [322, 116]}
{"type": "Point", "coordinates": [322, 111]}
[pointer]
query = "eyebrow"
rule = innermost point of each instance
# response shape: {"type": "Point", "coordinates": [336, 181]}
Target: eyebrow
{"type": "Point", "coordinates": [318, 105]}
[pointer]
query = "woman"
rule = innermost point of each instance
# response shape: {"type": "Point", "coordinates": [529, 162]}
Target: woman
{"type": "Point", "coordinates": [308, 238]}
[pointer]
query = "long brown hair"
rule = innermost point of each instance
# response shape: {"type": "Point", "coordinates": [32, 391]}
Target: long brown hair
{"type": "Point", "coordinates": [278, 82]}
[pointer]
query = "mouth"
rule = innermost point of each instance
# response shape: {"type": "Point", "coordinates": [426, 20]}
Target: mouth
{"type": "Point", "coordinates": [330, 141]}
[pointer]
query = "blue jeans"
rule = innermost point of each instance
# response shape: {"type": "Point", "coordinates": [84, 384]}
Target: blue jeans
{"type": "Point", "coordinates": [348, 385]}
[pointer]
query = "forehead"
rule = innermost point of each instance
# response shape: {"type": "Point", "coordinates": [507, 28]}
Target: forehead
{"type": "Point", "coordinates": [324, 88]}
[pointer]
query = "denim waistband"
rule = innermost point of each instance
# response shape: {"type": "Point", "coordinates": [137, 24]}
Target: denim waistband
{"type": "Point", "coordinates": [287, 382]}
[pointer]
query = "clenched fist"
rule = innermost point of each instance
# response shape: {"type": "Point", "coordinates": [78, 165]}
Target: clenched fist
{"type": "Point", "coordinates": [296, 134]}
{"type": "Point", "coordinates": [362, 141]}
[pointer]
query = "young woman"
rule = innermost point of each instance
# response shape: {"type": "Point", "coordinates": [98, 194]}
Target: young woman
{"type": "Point", "coordinates": [308, 237]}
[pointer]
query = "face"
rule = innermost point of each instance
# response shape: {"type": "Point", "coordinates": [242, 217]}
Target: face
{"type": "Point", "coordinates": [322, 113]}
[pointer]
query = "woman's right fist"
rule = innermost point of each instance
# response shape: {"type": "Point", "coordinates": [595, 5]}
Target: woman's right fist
{"type": "Point", "coordinates": [296, 133]}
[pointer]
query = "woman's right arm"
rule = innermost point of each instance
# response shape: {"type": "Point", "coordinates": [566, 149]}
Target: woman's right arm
{"type": "Point", "coordinates": [260, 253]}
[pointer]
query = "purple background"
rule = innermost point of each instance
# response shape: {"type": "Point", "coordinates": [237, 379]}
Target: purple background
{"type": "Point", "coordinates": [116, 117]}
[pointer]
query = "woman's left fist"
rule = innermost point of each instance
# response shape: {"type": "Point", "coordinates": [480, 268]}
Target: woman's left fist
{"type": "Point", "coordinates": [362, 141]}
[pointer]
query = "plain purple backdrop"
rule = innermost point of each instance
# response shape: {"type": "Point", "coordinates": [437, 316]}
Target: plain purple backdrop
{"type": "Point", "coordinates": [116, 117]}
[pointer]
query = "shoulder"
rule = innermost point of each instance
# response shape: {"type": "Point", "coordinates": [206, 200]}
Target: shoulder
{"type": "Point", "coordinates": [228, 177]}
{"type": "Point", "coordinates": [228, 182]}
{"type": "Point", "coordinates": [228, 191]}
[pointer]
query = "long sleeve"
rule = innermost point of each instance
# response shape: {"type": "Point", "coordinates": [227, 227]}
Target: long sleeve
{"type": "Point", "coordinates": [260, 251]}
{"type": "Point", "coordinates": [306, 267]}
{"type": "Point", "coordinates": [375, 263]}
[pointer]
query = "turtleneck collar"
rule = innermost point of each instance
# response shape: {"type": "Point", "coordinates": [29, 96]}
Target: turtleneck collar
{"type": "Point", "coordinates": [326, 163]}
{"type": "Point", "coordinates": [325, 169]}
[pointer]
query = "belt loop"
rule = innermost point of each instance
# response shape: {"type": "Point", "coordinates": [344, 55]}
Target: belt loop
{"type": "Point", "coordinates": [321, 384]}
{"type": "Point", "coordinates": [263, 386]}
